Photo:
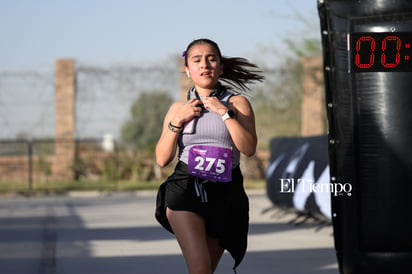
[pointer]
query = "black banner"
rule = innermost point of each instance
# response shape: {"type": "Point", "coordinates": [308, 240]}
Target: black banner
{"type": "Point", "coordinates": [298, 174]}
{"type": "Point", "coordinates": [367, 64]}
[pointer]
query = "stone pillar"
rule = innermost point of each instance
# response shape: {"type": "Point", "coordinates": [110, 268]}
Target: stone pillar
{"type": "Point", "coordinates": [65, 80]}
{"type": "Point", "coordinates": [185, 82]}
{"type": "Point", "coordinates": [313, 102]}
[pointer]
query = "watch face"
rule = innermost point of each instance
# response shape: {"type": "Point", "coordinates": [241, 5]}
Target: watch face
{"type": "Point", "coordinates": [231, 113]}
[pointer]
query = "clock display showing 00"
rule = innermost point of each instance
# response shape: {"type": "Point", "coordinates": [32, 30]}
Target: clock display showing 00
{"type": "Point", "coordinates": [381, 52]}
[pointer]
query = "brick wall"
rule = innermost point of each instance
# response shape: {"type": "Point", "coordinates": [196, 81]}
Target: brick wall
{"type": "Point", "coordinates": [65, 119]}
{"type": "Point", "coordinates": [313, 103]}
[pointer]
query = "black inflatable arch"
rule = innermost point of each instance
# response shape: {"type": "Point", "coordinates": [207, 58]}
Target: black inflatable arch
{"type": "Point", "coordinates": [368, 87]}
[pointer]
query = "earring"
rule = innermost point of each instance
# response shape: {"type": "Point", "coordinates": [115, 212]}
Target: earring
{"type": "Point", "coordinates": [188, 74]}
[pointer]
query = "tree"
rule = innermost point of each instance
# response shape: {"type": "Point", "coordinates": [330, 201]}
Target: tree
{"type": "Point", "coordinates": [144, 127]}
{"type": "Point", "coordinates": [277, 102]}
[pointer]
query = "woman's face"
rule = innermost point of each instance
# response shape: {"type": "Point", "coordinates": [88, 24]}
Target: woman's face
{"type": "Point", "coordinates": [203, 65]}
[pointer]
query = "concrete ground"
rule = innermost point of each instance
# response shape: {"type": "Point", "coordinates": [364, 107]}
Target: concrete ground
{"type": "Point", "coordinates": [86, 233]}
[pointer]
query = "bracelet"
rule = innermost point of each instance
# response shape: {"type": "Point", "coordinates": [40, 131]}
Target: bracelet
{"type": "Point", "coordinates": [174, 128]}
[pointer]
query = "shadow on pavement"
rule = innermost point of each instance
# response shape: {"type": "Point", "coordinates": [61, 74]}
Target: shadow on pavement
{"type": "Point", "coordinates": [27, 245]}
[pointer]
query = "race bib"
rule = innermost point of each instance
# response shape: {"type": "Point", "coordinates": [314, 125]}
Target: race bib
{"type": "Point", "coordinates": [211, 163]}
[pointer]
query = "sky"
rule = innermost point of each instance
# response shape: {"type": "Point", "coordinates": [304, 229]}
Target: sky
{"type": "Point", "coordinates": [106, 33]}
{"type": "Point", "coordinates": [103, 32]}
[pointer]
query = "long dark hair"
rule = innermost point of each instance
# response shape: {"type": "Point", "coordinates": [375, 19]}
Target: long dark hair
{"type": "Point", "coordinates": [237, 71]}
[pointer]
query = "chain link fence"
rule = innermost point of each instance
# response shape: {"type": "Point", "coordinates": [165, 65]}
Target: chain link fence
{"type": "Point", "coordinates": [103, 99]}
{"type": "Point", "coordinates": [104, 96]}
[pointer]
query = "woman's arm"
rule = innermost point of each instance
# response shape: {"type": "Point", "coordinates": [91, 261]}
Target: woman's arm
{"type": "Point", "coordinates": [167, 144]}
{"type": "Point", "coordinates": [178, 114]}
{"type": "Point", "coordinates": [242, 126]}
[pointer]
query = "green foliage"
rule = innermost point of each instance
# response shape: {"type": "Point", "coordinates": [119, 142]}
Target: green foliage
{"type": "Point", "coordinates": [43, 149]}
{"type": "Point", "coordinates": [140, 134]}
{"type": "Point", "coordinates": [144, 127]}
{"type": "Point", "coordinates": [307, 47]}
{"type": "Point", "coordinates": [44, 166]}
{"type": "Point", "coordinates": [277, 102]}
{"type": "Point", "coordinates": [110, 168]}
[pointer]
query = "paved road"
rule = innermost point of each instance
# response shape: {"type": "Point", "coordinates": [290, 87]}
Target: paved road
{"type": "Point", "coordinates": [116, 233]}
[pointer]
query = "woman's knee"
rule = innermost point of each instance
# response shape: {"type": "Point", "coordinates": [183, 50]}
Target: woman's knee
{"type": "Point", "coordinates": [190, 232]}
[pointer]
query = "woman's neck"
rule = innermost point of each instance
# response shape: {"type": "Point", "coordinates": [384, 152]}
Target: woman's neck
{"type": "Point", "coordinates": [203, 91]}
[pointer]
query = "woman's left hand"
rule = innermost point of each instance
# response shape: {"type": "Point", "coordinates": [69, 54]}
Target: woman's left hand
{"type": "Point", "coordinates": [215, 105]}
{"type": "Point", "coordinates": [242, 127]}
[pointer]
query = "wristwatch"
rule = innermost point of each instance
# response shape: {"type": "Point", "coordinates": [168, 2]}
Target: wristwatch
{"type": "Point", "coordinates": [228, 114]}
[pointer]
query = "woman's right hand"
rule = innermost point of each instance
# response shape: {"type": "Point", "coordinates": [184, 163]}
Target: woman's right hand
{"type": "Point", "coordinates": [187, 111]}
{"type": "Point", "coordinates": [178, 114]}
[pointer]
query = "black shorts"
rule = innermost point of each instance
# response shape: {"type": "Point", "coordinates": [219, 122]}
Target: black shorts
{"type": "Point", "coordinates": [224, 205]}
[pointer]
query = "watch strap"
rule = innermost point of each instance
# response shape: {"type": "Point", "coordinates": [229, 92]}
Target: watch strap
{"type": "Point", "coordinates": [228, 114]}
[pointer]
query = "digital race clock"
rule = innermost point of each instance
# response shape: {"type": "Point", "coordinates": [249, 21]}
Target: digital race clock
{"type": "Point", "coordinates": [380, 52]}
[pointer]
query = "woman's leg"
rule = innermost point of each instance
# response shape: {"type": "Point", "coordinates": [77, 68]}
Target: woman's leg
{"type": "Point", "coordinates": [215, 252]}
{"type": "Point", "coordinates": [201, 253]}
